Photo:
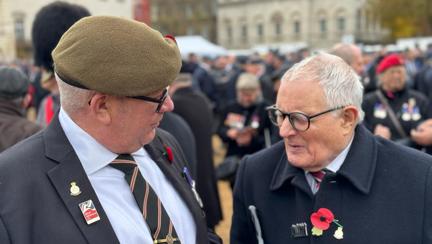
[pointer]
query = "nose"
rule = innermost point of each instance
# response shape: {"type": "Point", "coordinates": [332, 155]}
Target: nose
{"type": "Point", "coordinates": [286, 129]}
{"type": "Point", "coordinates": [168, 105]}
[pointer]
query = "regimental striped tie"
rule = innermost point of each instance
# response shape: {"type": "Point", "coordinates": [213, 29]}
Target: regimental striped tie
{"type": "Point", "coordinates": [318, 176]}
{"type": "Point", "coordinates": [154, 213]}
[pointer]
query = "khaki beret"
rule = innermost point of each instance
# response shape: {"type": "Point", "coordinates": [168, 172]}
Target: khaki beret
{"type": "Point", "coordinates": [116, 56]}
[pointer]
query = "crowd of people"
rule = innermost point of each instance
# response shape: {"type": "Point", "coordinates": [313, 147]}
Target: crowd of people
{"type": "Point", "coordinates": [301, 133]}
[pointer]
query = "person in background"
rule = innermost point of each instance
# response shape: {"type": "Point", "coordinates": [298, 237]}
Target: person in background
{"type": "Point", "coordinates": [394, 110]}
{"type": "Point", "coordinates": [244, 121]}
{"type": "Point", "coordinates": [244, 126]}
{"type": "Point", "coordinates": [194, 107]}
{"type": "Point", "coordinates": [330, 180]}
{"type": "Point", "coordinates": [102, 172]}
{"type": "Point", "coordinates": [50, 23]}
{"type": "Point", "coordinates": [14, 99]}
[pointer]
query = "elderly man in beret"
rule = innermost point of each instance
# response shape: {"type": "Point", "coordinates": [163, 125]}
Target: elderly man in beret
{"type": "Point", "coordinates": [14, 99]}
{"type": "Point", "coordinates": [102, 172]}
{"type": "Point", "coordinates": [393, 110]}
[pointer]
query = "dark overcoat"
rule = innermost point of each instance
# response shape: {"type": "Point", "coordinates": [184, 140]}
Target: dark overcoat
{"type": "Point", "coordinates": [382, 194]}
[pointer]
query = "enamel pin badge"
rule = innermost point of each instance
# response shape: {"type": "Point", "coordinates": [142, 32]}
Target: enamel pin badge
{"type": "Point", "coordinates": [89, 212]}
{"type": "Point", "coordinates": [74, 189]}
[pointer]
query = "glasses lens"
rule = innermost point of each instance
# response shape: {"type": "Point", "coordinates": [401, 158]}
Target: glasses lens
{"type": "Point", "coordinates": [299, 121]}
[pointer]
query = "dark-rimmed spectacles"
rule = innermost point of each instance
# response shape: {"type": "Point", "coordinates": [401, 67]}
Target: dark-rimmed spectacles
{"type": "Point", "coordinates": [160, 101]}
{"type": "Point", "coordinates": [298, 120]}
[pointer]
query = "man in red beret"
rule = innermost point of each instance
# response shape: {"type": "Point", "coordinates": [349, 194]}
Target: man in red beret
{"type": "Point", "coordinates": [393, 110]}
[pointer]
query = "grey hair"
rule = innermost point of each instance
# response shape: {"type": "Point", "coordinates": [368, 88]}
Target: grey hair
{"type": "Point", "coordinates": [72, 99]}
{"type": "Point", "coordinates": [339, 81]}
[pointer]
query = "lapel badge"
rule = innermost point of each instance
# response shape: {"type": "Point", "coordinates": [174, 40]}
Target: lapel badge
{"type": "Point", "coordinates": [74, 189]}
{"type": "Point", "coordinates": [299, 230]}
{"type": "Point", "coordinates": [89, 212]}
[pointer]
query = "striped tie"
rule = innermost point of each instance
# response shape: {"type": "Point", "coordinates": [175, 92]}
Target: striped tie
{"type": "Point", "coordinates": [318, 176]}
{"type": "Point", "coordinates": [161, 227]}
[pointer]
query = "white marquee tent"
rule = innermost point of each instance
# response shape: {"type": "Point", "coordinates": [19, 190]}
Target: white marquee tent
{"type": "Point", "coordinates": [198, 45]}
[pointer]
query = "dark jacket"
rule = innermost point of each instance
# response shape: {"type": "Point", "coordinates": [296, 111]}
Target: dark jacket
{"type": "Point", "coordinates": [194, 107]}
{"type": "Point", "coordinates": [14, 127]}
{"type": "Point", "coordinates": [182, 132]}
{"type": "Point", "coordinates": [381, 194]}
{"type": "Point", "coordinates": [256, 113]}
{"type": "Point", "coordinates": [35, 201]}
{"type": "Point", "coordinates": [408, 117]}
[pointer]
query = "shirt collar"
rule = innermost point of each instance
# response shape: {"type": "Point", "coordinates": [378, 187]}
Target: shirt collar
{"type": "Point", "coordinates": [93, 155]}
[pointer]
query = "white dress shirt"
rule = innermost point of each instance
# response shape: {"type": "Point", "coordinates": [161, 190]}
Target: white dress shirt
{"type": "Point", "coordinates": [334, 166]}
{"type": "Point", "coordinates": [115, 195]}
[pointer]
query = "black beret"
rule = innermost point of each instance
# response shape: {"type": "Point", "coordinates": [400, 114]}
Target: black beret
{"type": "Point", "coordinates": [49, 25]}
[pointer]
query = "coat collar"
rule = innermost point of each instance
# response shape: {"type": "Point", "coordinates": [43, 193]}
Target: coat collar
{"type": "Point", "coordinates": [358, 167]}
{"type": "Point", "coordinates": [67, 170]}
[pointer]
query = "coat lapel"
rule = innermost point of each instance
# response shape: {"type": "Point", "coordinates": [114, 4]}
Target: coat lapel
{"type": "Point", "coordinates": [173, 173]}
{"type": "Point", "coordinates": [69, 169]}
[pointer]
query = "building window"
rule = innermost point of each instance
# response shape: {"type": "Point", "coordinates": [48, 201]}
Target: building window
{"type": "Point", "coordinates": [323, 26]}
{"type": "Point", "coordinates": [19, 29]}
{"type": "Point", "coordinates": [341, 24]}
{"type": "Point", "coordinates": [260, 31]}
{"type": "Point", "coordinates": [278, 28]}
{"type": "Point", "coordinates": [244, 32]}
{"type": "Point", "coordinates": [358, 19]}
{"type": "Point", "coordinates": [297, 27]}
{"type": "Point", "coordinates": [229, 33]}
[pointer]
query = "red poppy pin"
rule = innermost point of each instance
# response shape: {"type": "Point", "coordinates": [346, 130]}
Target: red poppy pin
{"type": "Point", "coordinates": [321, 221]}
{"type": "Point", "coordinates": [171, 37]}
{"type": "Point", "coordinates": [168, 153]}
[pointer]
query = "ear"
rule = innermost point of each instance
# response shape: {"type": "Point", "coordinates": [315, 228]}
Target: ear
{"type": "Point", "coordinates": [100, 107]}
{"type": "Point", "coordinates": [350, 116]}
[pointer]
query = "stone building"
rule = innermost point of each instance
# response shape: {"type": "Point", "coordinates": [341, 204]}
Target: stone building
{"type": "Point", "coordinates": [16, 18]}
{"type": "Point", "coordinates": [185, 17]}
{"type": "Point", "coordinates": [244, 24]}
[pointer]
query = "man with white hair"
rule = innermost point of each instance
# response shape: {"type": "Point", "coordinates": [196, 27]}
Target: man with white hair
{"type": "Point", "coordinates": [330, 178]}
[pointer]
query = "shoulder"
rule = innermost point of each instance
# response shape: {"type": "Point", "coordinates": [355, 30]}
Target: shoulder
{"type": "Point", "coordinates": [401, 158]}
{"type": "Point", "coordinates": [370, 96]}
{"type": "Point", "coordinates": [417, 95]}
{"type": "Point", "coordinates": [262, 163]}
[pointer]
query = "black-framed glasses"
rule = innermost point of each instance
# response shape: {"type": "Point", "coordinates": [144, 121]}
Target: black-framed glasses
{"type": "Point", "coordinates": [160, 101]}
{"type": "Point", "coordinates": [298, 120]}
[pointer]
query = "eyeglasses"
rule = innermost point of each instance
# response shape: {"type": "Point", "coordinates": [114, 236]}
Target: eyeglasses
{"type": "Point", "coordinates": [160, 101]}
{"type": "Point", "coordinates": [299, 121]}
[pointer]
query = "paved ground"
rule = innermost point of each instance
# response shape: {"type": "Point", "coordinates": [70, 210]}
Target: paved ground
{"type": "Point", "coordinates": [225, 194]}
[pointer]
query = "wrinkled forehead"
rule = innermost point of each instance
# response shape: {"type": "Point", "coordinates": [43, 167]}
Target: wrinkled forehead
{"type": "Point", "coordinates": [300, 95]}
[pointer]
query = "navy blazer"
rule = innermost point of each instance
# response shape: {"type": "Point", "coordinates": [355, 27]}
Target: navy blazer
{"type": "Point", "coordinates": [382, 194]}
{"type": "Point", "coordinates": [35, 201]}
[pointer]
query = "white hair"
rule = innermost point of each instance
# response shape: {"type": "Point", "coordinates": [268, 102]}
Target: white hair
{"type": "Point", "coordinates": [72, 99]}
{"type": "Point", "coordinates": [339, 81]}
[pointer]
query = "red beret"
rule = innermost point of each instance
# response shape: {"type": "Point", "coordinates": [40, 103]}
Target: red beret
{"type": "Point", "coordinates": [388, 62]}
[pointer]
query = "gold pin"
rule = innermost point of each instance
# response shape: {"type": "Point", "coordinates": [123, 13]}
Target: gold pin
{"type": "Point", "coordinates": [74, 189]}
